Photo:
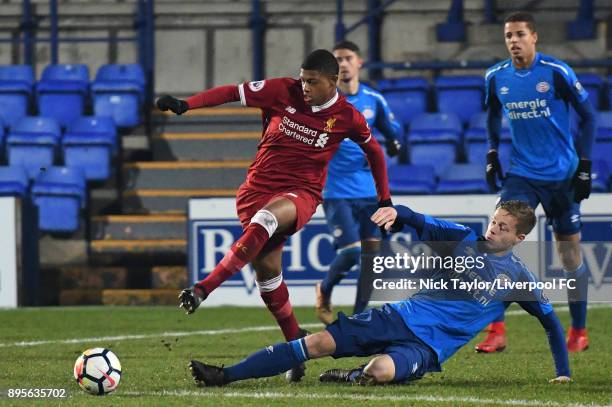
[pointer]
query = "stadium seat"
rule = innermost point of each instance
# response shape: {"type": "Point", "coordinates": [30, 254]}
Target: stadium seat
{"type": "Point", "coordinates": [59, 193]}
{"type": "Point", "coordinates": [463, 179]}
{"type": "Point", "coordinates": [89, 144]}
{"type": "Point", "coordinates": [13, 181]}
{"type": "Point", "coordinates": [593, 84]}
{"type": "Point", "coordinates": [476, 145]}
{"type": "Point", "coordinates": [32, 143]}
{"type": "Point", "coordinates": [600, 173]}
{"type": "Point", "coordinates": [602, 149]}
{"type": "Point", "coordinates": [16, 82]}
{"type": "Point", "coordinates": [118, 92]}
{"type": "Point", "coordinates": [411, 179]}
{"type": "Point", "coordinates": [62, 92]}
{"type": "Point", "coordinates": [407, 97]}
{"type": "Point", "coordinates": [462, 95]}
{"type": "Point", "coordinates": [433, 140]}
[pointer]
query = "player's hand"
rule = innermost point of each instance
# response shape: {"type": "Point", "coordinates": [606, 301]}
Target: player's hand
{"type": "Point", "coordinates": [494, 170]}
{"type": "Point", "coordinates": [393, 147]}
{"type": "Point", "coordinates": [560, 379]}
{"type": "Point", "coordinates": [385, 217]}
{"type": "Point", "coordinates": [582, 181]}
{"type": "Point", "coordinates": [190, 299]}
{"type": "Point", "coordinates": [167, 102]}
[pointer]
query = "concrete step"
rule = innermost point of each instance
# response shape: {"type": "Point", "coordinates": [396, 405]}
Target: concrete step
{"type": "Point", "coordinates": [137, 253]}
{"type": "Point", "coordinates": [80, 296]}
{"type": "Point", "coordinates": [93, 278]}
{"type": "Point", "coordinates": [167, 201]}
{"type": "Point", "coordinates": [225, 146]}
{"type": "Point", "coordinates": [214, 120]}
{"type": "Point", "coordinates": [185, 175]}
{"type": "Point", "coordinates": [155, 296]}
{"type": "Point", "coordinates": [174, 277]}
{"type": "Point", "coordinates": [129, 227]}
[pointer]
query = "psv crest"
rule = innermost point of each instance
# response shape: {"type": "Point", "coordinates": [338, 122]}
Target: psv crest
{"type": "Point", "coordinates": [329, 124]}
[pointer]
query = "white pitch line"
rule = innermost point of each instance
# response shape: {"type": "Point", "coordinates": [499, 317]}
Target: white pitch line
{"type": "Point", "coordinates": [356, 397]}
{"type": "Point", "coordinates": [149, 336]}
{"type": "Point", "coordinates": [207, 332]}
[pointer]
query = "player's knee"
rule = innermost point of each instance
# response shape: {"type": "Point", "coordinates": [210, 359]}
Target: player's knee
{"type": "Point", "coordinates": [266, 219]}
{"type": "Point", "coordinates": [381, 369]}
{"type": "Point", "coordinates": [320, 344]}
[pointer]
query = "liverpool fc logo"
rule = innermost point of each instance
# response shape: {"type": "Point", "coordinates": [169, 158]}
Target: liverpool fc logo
{"type": "Point", "coordinates": [329, 124]}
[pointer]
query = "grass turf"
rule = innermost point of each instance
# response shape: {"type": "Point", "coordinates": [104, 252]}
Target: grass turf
{"type": "Point", "coordinates": [155, 372]}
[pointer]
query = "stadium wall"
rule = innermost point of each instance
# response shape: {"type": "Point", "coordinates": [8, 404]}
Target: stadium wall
{"type": "Point", "coordinates": [213, 227]}
{"type": "Point", "coordinates": [202, 44]}
{"type": "Point", "coordinates": [10, 270]}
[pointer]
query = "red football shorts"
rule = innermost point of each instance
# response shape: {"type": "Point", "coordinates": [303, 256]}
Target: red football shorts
{"type": "Point", "coordinates": [249, 201]}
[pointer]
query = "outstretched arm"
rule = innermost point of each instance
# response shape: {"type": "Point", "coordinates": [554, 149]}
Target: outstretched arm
{"type": "Point", "coordinates": [208, 98]}
{"type": "Point", "coordinates": [555, 334]}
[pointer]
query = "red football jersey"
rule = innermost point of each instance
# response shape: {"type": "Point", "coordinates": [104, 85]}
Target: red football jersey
{"type": "Point", "coordinates": [298, 140]}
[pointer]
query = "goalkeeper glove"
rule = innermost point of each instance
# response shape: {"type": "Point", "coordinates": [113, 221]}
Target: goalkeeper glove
{"type": "Point", "coordinates": [582, 181]}
{"type": "Point", "coordinates": [393, 147]}
{"type": "Point", "coordinates": [191, 298]}
{"type": "Point", "coordinates": [494, 170]}
{"type": "Point", "coordinates": [168, 102]}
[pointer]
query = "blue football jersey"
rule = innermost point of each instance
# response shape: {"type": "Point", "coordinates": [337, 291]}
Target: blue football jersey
{"type": "Point", "coordinates": [446, 323]}
{"type": "Point", "coordinates": [536, 102]}
{"type": "Point", "coordinates": [348, 174]}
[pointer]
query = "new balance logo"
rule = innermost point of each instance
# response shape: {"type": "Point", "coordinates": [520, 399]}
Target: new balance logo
{"type": "Point", "coordinates": [322, 140]}
{"type": "Point", "coordinates": [290, 109]}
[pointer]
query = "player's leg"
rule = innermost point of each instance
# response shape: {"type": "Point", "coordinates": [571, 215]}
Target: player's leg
{"type": "Point", "coordinates": [269, 361]}
{"type": "Point", "coordinates": [520, 189]}
{"type": "Point", "coordinates": [370, 236]}
{"type": "Point", "coordinates": [274, 292]}
{"type": "Point", "coordinates": [343, 226]}
{"type": "Point", "coordinates": [404, 357]}
{"type": "Point", "coordinates": [278, 216]}
{"type": "Point", "coordinates": [567, 239]}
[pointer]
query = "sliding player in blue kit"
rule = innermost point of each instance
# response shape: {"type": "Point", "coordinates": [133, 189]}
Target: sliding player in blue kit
{"type": "Point", "coordinates": [534, 92]}
{"type": "Point", "coordinates": [419, 334]}
{"type": "Point", "coordinates": [349, 196]}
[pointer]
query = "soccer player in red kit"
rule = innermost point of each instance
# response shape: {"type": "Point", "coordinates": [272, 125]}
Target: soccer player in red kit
{"type": "Point", "coordinates": [304, 122]}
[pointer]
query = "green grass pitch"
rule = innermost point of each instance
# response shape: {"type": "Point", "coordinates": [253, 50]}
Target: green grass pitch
{"type": "Point", "coordinates": [155, 365]}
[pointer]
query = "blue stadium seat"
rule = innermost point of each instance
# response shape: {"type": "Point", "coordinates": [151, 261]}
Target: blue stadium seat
{"type": "Point", "coordinates": [600, 173]}
{"type": "Point", "coordinates": [434, 139]}
{"type": "Point", "coordinates": [407, 97]}
{"type": "Point", "coordinates": [411, 179]}
{"type": "Point", "coordinates": [463, 179]}
{"type": "Point", "coordinates": [59, 193]}
{"type": "Point", "coordinates": [32, 143]}
{"type": "Point", "coordinates": [594, 85]}
{"type": "Point", "coordinates": [16, 82]}
{"type": "Point", "coordinates": [462, 95]}
{"type": "Point", "coordinates": [118, 91]}
{"type": "Point", "coordinates": [62, 92]}
{"type": "Point", "coordinates": [89, 144]}
{"type": "Point", "coordinates": [13, 181]}
{"type": "Point", "coordinates": [476, 145]}
{"type": "Point", "coordinates": [602, 149]}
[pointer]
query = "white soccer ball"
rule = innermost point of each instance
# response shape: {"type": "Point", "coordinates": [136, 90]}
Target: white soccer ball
{"type": "Point", "coordinates": [97, 371]}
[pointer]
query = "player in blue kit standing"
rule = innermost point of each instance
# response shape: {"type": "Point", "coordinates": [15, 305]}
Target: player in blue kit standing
{"type": "Point", "coordinates": [534, 91]}
{"type": "Point", "coordinates": [417, 335]}
{"type": "Point", "coordinates": [349, 196]}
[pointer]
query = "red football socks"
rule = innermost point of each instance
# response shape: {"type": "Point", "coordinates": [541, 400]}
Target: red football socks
{"type": "Point", "coordinates": [278, 303]}
{"type": "Point", "coordinates": [242, 252]}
